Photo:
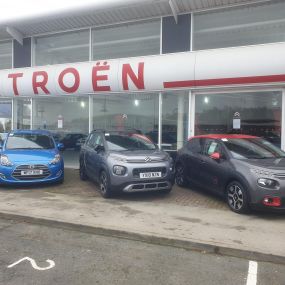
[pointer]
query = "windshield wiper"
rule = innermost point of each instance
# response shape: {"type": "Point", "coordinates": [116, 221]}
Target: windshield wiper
{"type": "Point", "coordinates": [25, 148]}
{"type": "Point", "coordinates": [259, 157]}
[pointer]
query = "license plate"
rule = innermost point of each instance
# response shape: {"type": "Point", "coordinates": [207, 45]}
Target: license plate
{"type": "Point", "coordinates": [31, 172]}
{"type": "Point", "coordinates": [150, 175]}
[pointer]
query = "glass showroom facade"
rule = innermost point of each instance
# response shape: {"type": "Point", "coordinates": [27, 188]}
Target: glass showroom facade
{"type": "Point", "coordinates": [169, 118]}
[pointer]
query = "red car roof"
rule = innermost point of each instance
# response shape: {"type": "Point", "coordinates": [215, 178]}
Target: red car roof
{"type": "Point", "coordinates": [225, 136]}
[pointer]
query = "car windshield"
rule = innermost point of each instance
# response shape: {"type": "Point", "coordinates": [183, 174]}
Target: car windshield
{"type": "Point", "coordinates": [119, 142]}
{"type": "Point", "coordinates": [252, 148]}
{"type": "Point", "coordinates": [29, 141]}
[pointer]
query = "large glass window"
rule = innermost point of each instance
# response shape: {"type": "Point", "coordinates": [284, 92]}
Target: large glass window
{"type": "Point", "coordinates": [5, 115]}
{"type": "Point", "coordinates": [61, 114]}
{"type": "Point", "coordinates": [245, 25]}
{"type": "Point", "coordinates": [62, 48]}
{"type": "Point", "coordinates": [136, 112]}
{"type": "Point", "coordinates": [6, 55]}
{"type": "Point", "coordinates": [22, 113]}
{"type": "Point", "coordinates": [174, 120]}
{"type": "Point", "coordinates": [68, 120]}
{"type": "Point", "coordinates": [135, 39]}
{"type": "Point", "coordinates": [254, 113]}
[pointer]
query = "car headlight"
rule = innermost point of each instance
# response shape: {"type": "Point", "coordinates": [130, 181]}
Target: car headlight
{"type": "Point", "coordinates": [119, 170]}
{"type": "Point", "coordinates": [56, 159]}
{"type": "Point", "coordinates": [268, 183]}
{"type": "Point", "coordinates": [4, 160]}
{"type": "Point", "coordinates": [171, 163]}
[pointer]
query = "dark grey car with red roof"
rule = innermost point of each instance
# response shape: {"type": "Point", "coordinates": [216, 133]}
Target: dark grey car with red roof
{"type": "Point", "coordinates": [248, 170]}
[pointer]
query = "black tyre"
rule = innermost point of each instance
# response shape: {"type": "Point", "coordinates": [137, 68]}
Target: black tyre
{"type": "Point", "coordinates": [105, 190]}
{"type": "Point", "coordinates": [167, 191]}
{"type": "Point", "coordinates": [60, 181]}
{"type": "Point", "coordinates": [180, 177]}
{"type": "Point", "coordinates": [82, 171]}
{"type": "Point", "coordinates": [237, 198]}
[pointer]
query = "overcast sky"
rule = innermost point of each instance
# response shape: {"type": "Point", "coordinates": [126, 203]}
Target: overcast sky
{"type": "Point", "coordinates": [18, 9]}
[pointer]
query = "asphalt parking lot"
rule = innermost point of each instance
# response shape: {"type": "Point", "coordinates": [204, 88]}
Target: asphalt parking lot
{"type": "Point", "coordinates": [34, 254]}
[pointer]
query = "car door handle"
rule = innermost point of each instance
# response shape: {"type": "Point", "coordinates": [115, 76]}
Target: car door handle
{"type": "Point", "coordinates": [202, 161]}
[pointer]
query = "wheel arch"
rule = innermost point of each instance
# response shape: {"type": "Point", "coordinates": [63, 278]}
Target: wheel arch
{"type": "Point", "coordinates": [242, 181]}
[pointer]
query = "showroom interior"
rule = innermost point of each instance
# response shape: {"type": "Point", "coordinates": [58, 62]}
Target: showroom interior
{"type": "Point", "coordinates": [167, 117]}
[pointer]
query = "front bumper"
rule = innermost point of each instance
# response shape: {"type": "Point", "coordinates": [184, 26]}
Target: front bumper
{"type": "Point", "coordinates": [129, 184]}
{"type": "Point", "coordinates": [147, 186]}
{"type": "Point", "coordinates": [7, 177]}
{"type": "Point", "coordinates": [260, 195]}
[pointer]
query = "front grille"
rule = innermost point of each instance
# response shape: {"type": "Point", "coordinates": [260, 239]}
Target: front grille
{"type": "Point", "coordinates": [17, 172]}
{"type": "Point", "coordinates": [142, 160]}
{"type": "Point", "coordinates": [137, 171]}
{"type": "Point", "coordinates": [279, 176]}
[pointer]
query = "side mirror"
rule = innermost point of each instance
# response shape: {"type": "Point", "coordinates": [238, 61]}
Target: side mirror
{"type": "Point", "coordinates": [60, 146]}
{"type": "Point", "coordinates": [99, 148]}
{"type": "Point", "coordinates": [215, 156]}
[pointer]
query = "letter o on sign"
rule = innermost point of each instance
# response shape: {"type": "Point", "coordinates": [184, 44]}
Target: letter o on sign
{"type": "Point", "coordinates": [75, 86]}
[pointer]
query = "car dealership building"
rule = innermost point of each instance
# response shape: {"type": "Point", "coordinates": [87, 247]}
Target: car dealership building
{"type": "Point", "coordinates": [168, 69]}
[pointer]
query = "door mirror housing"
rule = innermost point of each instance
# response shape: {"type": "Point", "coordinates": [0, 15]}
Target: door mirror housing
{"type": "Point", "coordinates": [60, 146]}
{"type": "Point", "coordinates": [216, 156]}
{"type": "Point", "coordinates": [99, 148]}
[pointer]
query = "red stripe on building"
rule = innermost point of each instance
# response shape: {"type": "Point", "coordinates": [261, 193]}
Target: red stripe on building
{"type": "Point", "coordinates": [225, 81]}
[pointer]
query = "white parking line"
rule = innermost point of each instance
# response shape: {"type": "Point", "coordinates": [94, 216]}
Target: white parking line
{"type": "Point", "coordinates": [252, 273]}
{"type": "Point", "coordinates": [33, 263]}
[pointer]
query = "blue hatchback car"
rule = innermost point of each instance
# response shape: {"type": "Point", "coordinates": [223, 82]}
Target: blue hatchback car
{"type": "Point", "coordinates": [29, 157]}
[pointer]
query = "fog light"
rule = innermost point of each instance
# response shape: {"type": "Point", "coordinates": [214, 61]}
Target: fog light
{"type": "Point", "coordinates": [272, 201]}
{"type": "Point", "coordinates": [59, 173]}
{"type": "Point", "coordinates": [119, 170]}
{"type": "Point", "coordinates": [2, 176]}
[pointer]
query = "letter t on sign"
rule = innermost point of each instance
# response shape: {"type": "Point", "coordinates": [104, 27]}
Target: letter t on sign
{"type": "Point", "coordinates": [15, 76]}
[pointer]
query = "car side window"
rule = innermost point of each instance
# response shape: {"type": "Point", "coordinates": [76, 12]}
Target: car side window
{"type": "Point", "coordinates": [99, 140]}
{"type": "Point", "coordinates": [92, 141]}
{"type": "Point", "coordinates": [212, 146]}
{"type": "Point", "coordinates": [195, 146]}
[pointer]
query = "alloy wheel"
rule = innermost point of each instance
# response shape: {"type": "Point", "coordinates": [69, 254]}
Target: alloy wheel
{"type": "Point", "coordinates": [179, 176]}
{"type": "Point", "coordinates": [82, 172]}
{"type": "Point", "coordinates": [235, 197]}
{"type": "Point", "coordinates": [103, 183]}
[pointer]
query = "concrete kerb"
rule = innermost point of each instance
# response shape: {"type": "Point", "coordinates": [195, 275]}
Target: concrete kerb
{"type": "Point", "coordinates": [159, 240]}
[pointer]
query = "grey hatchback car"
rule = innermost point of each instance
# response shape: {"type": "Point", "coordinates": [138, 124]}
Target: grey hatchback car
{"type": "Point", "coordinates": [121, 161]}
{"type": "Point", "coordinates": [247, 170]}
